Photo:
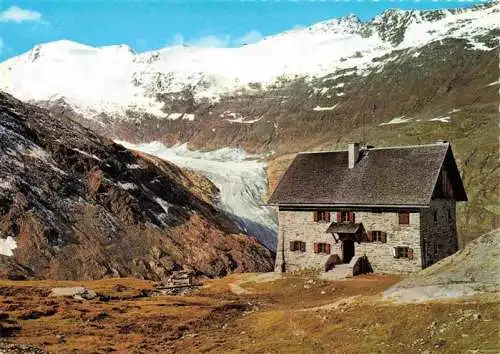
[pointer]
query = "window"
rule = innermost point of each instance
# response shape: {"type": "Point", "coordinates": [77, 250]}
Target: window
{"type": "Point", "coordinates": [345, 216]}
{"type": "Point", "coordinates": [404, 218]}
{"type": "Point", "coordinates": [449, 215]}
{"type": "Point", "coordinates": [322, 248]}
{"type": "Point", "coordinates": [377, 236]}
{"type": "Point", "coordinates": [446, 185]}
{"type": "Point", "coordinates": [437, 248]}
{"type": "Point", "coordinates": [321, 216]}
{"type": "Point", "coordinates": [298, 246]}
{"type": "Point", "coordinates": [435, 216]}
{"type": "Point", "coordinates": [403, 252]}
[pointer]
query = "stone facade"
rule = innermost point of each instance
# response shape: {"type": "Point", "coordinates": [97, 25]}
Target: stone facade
{"type": "Point", "coordinates": [438, 231]}
{"type": "Point", "coordinates": [430, 239]}
{"type": "Point", "coordinates": [380, 255]}
{"type": "Point", "coordinates": [300, 226]}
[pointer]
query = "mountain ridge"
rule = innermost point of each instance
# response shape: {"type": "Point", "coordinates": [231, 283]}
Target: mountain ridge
{"type": "Point", "coordinates": [74, 205]}
{"type": "Point", "coordinates": [142, 77]}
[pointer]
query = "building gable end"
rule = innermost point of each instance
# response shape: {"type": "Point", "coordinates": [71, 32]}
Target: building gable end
{"type": "Point", "coordinates": [449, 184]}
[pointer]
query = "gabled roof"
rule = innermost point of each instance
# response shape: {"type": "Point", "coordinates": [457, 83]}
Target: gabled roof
{"type": "Point", "coordinates": [395, 176]}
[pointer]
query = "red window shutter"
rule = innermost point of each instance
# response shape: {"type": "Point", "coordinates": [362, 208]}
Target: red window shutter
{"type": "Point", "coordinates": [404, 218]}
{"type": "Point", "coordinates": [409, 253]}
{"type": "Point", "coordinates": [383, 237]}
{"type": "Point", "coordinates": [315, 216]}
{"type": "Point", "coordinates": [316, 248]}
{"type": "Point", "coordinates": [292, 246]}
{"type": "Point", "coordinates": [369, 234]}
{"type": "Point", "coordinates": [339, 216]}
{"type": "Point", "coordinates": [327, 248]}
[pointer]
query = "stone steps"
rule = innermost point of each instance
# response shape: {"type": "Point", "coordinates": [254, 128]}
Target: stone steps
{"type": "Point", "coordinates": [340, 271]}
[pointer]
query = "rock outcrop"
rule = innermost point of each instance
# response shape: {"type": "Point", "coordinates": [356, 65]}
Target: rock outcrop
{"type": "Point", "coordinates": [74, 205]}
{"type": "Point", "coordinates": [473, 270]}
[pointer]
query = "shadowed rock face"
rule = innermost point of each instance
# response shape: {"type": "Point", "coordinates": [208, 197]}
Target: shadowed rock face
{"type": "Point", "coordinates": [473, 270]}
{"type": "Point", "coordinates": [79, 206]}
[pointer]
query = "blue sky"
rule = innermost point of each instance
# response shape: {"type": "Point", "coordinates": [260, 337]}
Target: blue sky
{"type": "Point", "coordinates": [152, 24]}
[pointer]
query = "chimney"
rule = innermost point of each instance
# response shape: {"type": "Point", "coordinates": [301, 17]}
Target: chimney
{"type": "Point", "coordinates": [353, 153]}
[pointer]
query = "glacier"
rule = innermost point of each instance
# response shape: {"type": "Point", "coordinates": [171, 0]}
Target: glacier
{"type": "Point", "coordinates": [240, 177]}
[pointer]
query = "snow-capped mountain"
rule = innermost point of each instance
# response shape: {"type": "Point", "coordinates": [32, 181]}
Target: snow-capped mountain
{"type": "Point", "coordinates": [115, 80]}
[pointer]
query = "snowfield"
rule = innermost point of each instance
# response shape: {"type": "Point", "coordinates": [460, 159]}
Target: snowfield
{"type": "Point", "coordinates": [114, 79]}
{"type": "Point", "coordinates": [241, 179]}
{"type": "Point", "coordinates": [7, 245]}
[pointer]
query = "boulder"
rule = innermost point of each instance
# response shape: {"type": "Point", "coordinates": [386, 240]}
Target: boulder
{"type": "Point", "coordinates": [76, 292]}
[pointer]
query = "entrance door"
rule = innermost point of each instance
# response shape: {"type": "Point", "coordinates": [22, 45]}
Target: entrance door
{"type": "Point", "coordinates": [347, 250]}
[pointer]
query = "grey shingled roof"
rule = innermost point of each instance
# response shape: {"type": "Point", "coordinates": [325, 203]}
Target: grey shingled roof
{"type": "Point", "coordinates": [382, 176]}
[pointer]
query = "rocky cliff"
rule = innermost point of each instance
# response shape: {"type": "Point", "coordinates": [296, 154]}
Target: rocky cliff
{"type": "Point", "coordinates": [74, 205]}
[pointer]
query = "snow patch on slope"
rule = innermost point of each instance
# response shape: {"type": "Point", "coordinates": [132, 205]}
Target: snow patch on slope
{"type": "Point", "coordinates": [128, 186]}
{"type": "Point", "coordinates": [441, 119]}
{"type": "Point", "coordinates": [92, 156]}
{"type": "Point", "coordinates": [397, 120]}
{"type": "Point", "coordinates": [320, 109]}
{"type": "Point", "coordinates": [240, 177]}
{"type": "Point", "coordinates": [7, 245]}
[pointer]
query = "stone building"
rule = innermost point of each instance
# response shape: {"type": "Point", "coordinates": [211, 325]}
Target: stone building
{"type": "Point", "coordinates": [388, 210]}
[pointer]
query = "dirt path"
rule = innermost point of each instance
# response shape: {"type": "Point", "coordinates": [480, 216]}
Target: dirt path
{"type": "Point", "coordinates": [341, 303]}
{"type": "Point", "coordinates": [237, 289]}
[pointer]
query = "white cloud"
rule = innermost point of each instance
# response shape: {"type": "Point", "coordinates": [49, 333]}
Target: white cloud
{"type": "Point", "coordinates": [217, 41]}
{"type": "Point", "coordinates": [18, 15]}
{"type": "Point", "coordinates": [249, 38]}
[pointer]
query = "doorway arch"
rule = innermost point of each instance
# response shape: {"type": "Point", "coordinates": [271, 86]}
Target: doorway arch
{"type": "Point", "coordinates": [347, 250]}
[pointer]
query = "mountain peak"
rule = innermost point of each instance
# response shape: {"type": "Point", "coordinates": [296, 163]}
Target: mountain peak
{"type": "Point", "coordinates": [64, 45]}
{"type": "Point", "coordinates": [349, 23]}
{"type": "Point", "coordinates": [57, 49]}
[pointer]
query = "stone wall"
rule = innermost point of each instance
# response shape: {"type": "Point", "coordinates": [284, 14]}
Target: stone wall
{"type": "Point", "coordinates": [299, 226]}
{"type": "Point", "coordinates": [380, 255]}
{"type": "Point", "coordinates": [439, 231]}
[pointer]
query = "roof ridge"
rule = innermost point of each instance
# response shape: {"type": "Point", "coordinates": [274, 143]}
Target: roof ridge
{"type": "Point", "coordinates": [379, 148]}
{"type": "Point", "coordinates": [436, 179]}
